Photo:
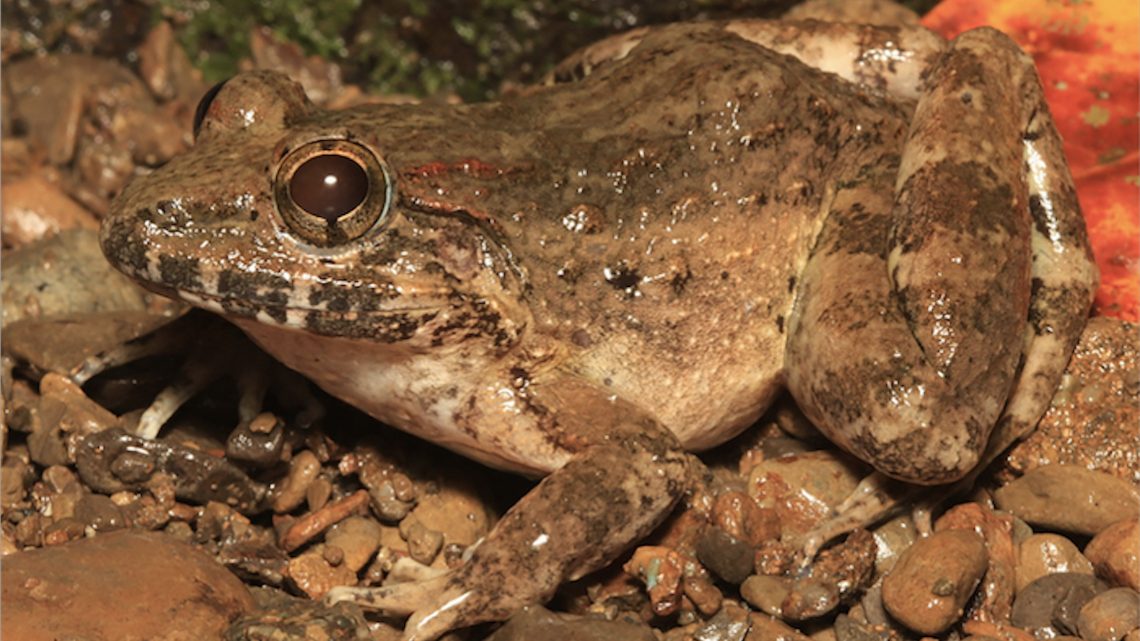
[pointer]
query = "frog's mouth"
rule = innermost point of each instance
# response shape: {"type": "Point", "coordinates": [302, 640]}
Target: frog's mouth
{"type": "Point", "coordinates": [334, 314]}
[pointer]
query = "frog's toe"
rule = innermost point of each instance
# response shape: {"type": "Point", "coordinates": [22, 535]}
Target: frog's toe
{"type": "Point", "coordinates": [398, 598]}
{"type": "Point", "coordinates": [437, 605]}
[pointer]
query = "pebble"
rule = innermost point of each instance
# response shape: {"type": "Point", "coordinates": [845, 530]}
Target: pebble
{"type": "Point", "coordinates": [358, 537]}
{"type": "Point", "coordinates": [64, 275]}
{"type": "Point", "coordinates": [999, 581]}
{"type": "Point", "coordinates": [33, 207]}
{"type": "Point", "coordinates": [933, 580]}
{"type": "Point", "coordinates": [290, 492]}
{"type": "Point", "coordinates": [536, 622]}
{"type": "Point", "coordinates": [1115, 553]}
{"type": "Point", "coordinates": [1049, 606]}
{"type": "Point", "coordinates": [766, 593]}
{"type": "Point", "coordinates": [1070, 498]}
{"type": "Point", "coordinates": [1042, 554]}
{"type": "Point", "coordinates": [741, 518]}
{"type": "Point", "coordinates": [725, 556]}
{"type": "Point", "coordinates": [313, 574]}
{"type": "Point", "coordinates": [121, 585]}
{"type": "Point", "coordinates": [1110, 615]}
{"type": "Point", "coordinates": [767, 628]}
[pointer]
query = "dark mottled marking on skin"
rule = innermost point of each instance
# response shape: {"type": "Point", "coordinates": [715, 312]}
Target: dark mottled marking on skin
{"type": "Point", "coordinates": [856, 231]}
{"type": "Point", "coordinates": [624, 278]}
{"type": "Point", "coordinates": [581, 338]}
{"type": "Point", "coordinates": [971, 198]}
{"type": "Point", "coordinates": [389, 328]}
{"type": "Point", "coordinates": [966, 98]}
{"type": "Point", "coordinates": [679, 281]}
{"type": "Point", "coordinates": [180, 273]}
{"type": "Point", "coordinates": [121, 242]}
{"type": "Point", "coordinates": [257, 288]}
{"type": "Point", "coordinates": [361, 299]}
{"type": "Point", "coordinates": [724, 275]}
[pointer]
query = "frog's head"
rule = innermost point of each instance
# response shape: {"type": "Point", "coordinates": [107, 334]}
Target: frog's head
{"type": "Point", "coordinates": [291, 216]}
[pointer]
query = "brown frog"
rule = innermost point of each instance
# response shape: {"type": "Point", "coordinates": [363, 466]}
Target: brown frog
{"type": "Point", "coordinates": [590, 280]}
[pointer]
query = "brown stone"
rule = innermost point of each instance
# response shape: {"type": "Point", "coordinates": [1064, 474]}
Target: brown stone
{"type": "Point", "coordinates": [122, 586]}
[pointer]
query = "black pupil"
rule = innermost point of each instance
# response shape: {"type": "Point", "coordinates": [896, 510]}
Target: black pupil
{"type": "Point", "coordinates": [329, 186]}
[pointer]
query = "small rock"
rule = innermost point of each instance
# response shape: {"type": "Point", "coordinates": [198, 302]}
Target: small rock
{"type": "Point", "coordinates": [998, 583]}
{"type": "Point", "coordinates": [766, 593]}
{"type": "Point", "coordinates": [99, 513]}
{"type": "Point", "coordinates": [725, 556]}
{"type": "Point", "coordinates": [932, 581]}
{"type": "Point", "coordinates": [1043, 554]}
{"type": "Point", "coordinates": [741, 518]}
{"type": "Point", "coordinates": [32, 207]}
{"type": "Point", "coordinates": [64, 275]}
{"type": "Point", "coordinates": [1110, 615]}
{"type": "Point", "coordinates": [121, 585]}
{"type": "Point", "coordinates": [358, 537]}
{"type": "Point", "coordinates": [1048, 606]}
{"type": "Point", "coordinates": [892, 539]}
{"type": "Point", "coordinates": [423, 542]}
{"type": "Point", "coordinates": [290, 492]}
{"type": "Point", "coordinates": [731, 623]}
{"type": "Point", "coordinates": [1070, 498]}
{"type": "Point", "coordinates": [767, 628]}
{"type": "Point", "coordinates": [113, 461]}
{"type": "Point", "coordinates": [259, 442]}
{"type": "Point", "coordinates": [1115, 553]}
{"type": "Point", "coordinates": [536, 622]}
{"type": "Point", "coordinates": [312, 574]}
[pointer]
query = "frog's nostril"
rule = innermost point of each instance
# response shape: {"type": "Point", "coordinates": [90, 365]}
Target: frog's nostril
{"type": "Point", "coordinates": [329, 186]}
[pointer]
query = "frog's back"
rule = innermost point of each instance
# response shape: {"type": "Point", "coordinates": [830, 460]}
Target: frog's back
{"type": "Point", "coordinates": [685, 189]}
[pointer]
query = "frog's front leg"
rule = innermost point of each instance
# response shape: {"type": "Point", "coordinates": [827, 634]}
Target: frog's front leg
{"type": "Point", "coordinates": [905, 351]}
{"type": "Point", "coordinates": [625, 473]}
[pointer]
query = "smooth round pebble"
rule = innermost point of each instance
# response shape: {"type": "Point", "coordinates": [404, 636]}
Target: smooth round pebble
{"type": "Point", "coordinates": [765, 593]}
{"type": "Point", "coordinates": [1115, 553]}
{"type": "Point", "coordinates": [1050, 605]}
{"type": "Point", "coordinates": [930, 584]}
{"type": "Point", "coordinates": [1043, 554]}
{"type": "Point", "coordinates": [127, 584]}
{"type": "Point", "coordinates": [1110, 615]}
{"type": "Point", "coordinates": [724, 555]}
{"type": "Point", "coordinates": [1070, 498]}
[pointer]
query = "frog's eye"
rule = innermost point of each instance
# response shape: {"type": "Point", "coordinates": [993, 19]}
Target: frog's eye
{"type": "Point", "coordinates": [332, 192]}
{"type": "Point", "coordinates": [204, 106]}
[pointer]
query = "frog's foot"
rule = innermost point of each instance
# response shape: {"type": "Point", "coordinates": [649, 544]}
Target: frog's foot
{"type": "Point", "coordinates": [437, 605]}
{"type": "Point", "coordinates": [875, 498]}
{"type": "Point", "coordinates": [576, 520]}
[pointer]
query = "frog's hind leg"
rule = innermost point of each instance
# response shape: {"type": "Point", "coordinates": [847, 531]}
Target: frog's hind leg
{"type": "Point", "coordinates": [906, 355]}
{"type": "Point", "coordinates": [621, 484]}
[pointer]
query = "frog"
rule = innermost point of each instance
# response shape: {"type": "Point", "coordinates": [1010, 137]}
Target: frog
{"type": "Point", "coordinates": [589, 281]}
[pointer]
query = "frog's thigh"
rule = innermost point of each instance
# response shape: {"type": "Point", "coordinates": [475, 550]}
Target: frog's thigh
{"type": "Point", "coordinates": [905, 353]}
{"type": "Point", "coordinates": [887, 58]}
